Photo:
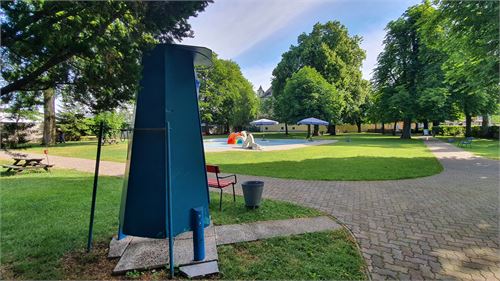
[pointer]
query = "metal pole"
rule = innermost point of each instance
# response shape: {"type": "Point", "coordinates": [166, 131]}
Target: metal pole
{"type": "Point", "coordinates": [198, 234]}
{"type": "Point", "coordinates": [94, 191]}
{"type": "Point", "coordinates": [169, 201]}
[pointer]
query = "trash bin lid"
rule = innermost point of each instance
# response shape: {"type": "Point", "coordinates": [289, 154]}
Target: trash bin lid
{"type": "Point", "coordinates": [252, 183]}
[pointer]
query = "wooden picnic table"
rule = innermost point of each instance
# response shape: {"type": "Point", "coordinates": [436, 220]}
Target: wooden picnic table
{"type": "Point", "coordinates": [25, 163]}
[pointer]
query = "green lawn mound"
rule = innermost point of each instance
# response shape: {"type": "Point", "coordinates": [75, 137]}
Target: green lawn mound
{"type": "Point", "coordinates": [45, 222]}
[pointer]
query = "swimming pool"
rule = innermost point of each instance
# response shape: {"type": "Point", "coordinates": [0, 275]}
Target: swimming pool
{"type": "Point", "coordinates": [220, 144]}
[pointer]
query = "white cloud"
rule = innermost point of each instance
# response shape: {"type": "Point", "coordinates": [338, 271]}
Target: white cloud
{"type": "Point", "coordinates": [259, 75]}
{"type": "Point", "coordinates": [231, 27]}
{"type": "Point", "coordinates": [373, 45]}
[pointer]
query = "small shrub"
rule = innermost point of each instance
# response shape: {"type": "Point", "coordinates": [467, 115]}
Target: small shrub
{"type": "Point", "coordinates": [476, 132]}
{"type": "Point", "coordinates": [437, 130]}
{"type": "Point", "coordinates": [494, 132]}
{"type": "Point", "coordinates": [15, 135]}
{"type": "Point", "coordinates": [448, 130]}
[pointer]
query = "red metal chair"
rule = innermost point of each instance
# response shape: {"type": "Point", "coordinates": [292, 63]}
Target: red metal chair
{"type": "Point", "coordinates": [220, 182]}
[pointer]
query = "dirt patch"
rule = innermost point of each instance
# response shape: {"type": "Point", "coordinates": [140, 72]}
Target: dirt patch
{"type": "Point", "coordinates": [95, 265]}
{"type": "Point", "coordinates": [6, 273]}
{"type": "Point", "coordinates": [91, 266]}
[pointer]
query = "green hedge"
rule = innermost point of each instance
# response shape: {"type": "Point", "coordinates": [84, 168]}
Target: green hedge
{"type": "Point", "coordinates": [448, 130]}
{"type": "Point", "coordinates": [493, 131]}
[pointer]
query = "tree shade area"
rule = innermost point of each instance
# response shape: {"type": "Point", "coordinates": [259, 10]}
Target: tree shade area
{"type": "Point", "coordinates": [49, 244]}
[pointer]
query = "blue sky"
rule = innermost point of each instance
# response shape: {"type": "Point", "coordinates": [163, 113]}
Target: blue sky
{"type": "Point", "coordinates": [255, 33]}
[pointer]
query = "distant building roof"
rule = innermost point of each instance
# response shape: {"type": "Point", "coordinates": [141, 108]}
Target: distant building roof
{"type": "Point", "coordinates": [264, 94]}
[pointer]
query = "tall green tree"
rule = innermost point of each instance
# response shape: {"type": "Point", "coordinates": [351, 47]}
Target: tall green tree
{"type": "Point", "coordinates": [330, 50]}
{"type": "Point", "coordinates": [226, 96]}
{"type": "Point", "coordinates": [92, 47]}
{"type": "Point", "coordinates": [357, 104]}
{"type": "Point", "coordinates": [408, 73]}
{"type": "Point", "coordinates": [308, 94]}
{"type": "Point", "coordinates": [469, 37]}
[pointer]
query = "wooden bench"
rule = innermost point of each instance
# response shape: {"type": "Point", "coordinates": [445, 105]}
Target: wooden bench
{"type": "Point", "coordinates": [24, 163]}
{"type": "Point", "coordinates": [22, 168]}
{"type": "Point", "coordinates": [220, 182]}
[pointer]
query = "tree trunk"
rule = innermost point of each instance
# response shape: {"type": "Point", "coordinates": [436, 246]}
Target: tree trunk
{"type": "Point", "coordinates": [49, 117]}
{"type": "Point", "coordinates": [308, 131]}
{"type": "Point", "coordinates": [207, 129]}
{"type": "Point", "coordinates": [468, 125]}
{"type": "Point", "coordinates": [394, 128]}
{"type": "Point", "coordinates": [316, 130]}
{"type": "Point", "coordinates": [426, 124]}
{"type": "Point", "coordinates": [435, 123]}
{"type": "Point", "coordinates": [406, 134]}
{"type": "Point", "coordinates": [416, 127]}
{"type": "Point", "coordinates": [485, 125]}
{"type": "Point", "coordinates": [382, 130]}
{"type": "Point", "coordinates": [286, 129]}
{"type": "Point", "coordinates": [358, 124]}
{"type": "Point", "coordinates": [331, 129]}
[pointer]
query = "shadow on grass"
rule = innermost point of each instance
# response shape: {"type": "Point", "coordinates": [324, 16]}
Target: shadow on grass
{"type": "Point", "coordinates": [342, 168]}
{"type": "Point", "coordinates": [45, 216]}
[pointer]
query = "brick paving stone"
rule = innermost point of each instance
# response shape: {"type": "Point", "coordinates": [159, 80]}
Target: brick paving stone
{"type": "Point", "coordinates": [437, 227]}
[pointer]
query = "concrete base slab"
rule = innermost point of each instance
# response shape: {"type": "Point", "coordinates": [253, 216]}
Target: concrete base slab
{"type": "Point", "coordinates": [146, 253]}
{"type": "Point", "coordinates": [200, 269]}
{"type": "Point", "coordinates": [235, 233]}
{"type": "Point", "coordinates": [117, 247]}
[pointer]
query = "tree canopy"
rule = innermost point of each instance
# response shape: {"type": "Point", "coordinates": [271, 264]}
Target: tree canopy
{"type": "Point", "coordinates": [438, 60]}
{"type": "Point", "coordinates": [226, 96]}
{"type": "Point", "coordinates": [93, 48]}
{"type": "Point", "coordinates": [470, 40]}
{"type": "Point", "coordinates": [308, 94]}
{"type": "Point", "coordinates": [334, 54]}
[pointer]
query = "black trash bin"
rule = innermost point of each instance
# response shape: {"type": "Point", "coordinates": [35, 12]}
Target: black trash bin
{"type": "Point", "coordinates": [252, 192]}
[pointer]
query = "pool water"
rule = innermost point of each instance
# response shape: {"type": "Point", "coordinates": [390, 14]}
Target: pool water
{"type": "Point", "coordinates": [222, 143]}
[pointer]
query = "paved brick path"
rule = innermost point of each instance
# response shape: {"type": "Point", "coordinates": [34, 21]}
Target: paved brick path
{"type": "Point", "coordinates": [85, 165]}
{"type": "Point", "coordinates": [440, 227]}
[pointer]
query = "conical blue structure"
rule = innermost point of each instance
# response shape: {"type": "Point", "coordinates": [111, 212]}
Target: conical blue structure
{"type": "Point", "coordinates": [165, 177]}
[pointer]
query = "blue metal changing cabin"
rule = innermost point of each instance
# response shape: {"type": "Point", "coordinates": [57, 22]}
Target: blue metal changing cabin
{"type": "Point", "coordinates": [165, 176]}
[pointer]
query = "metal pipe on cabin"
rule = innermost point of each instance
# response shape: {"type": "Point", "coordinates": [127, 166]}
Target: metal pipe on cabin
{"type": "Point", "coordinates": [169, 201]}
{"type": "Point", "coordinates": [94, 190]}
{"type": "Point", "coordinates": [198, 234]}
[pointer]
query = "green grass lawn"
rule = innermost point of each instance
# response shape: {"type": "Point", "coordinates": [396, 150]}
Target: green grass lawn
{"type": "Point", "coordinates": [295, 257]}
{"type": "Point", "coordinates": [44, 223]}
{"type": "Point", "coordinates": [365, 157]}
{"type": "Point", "coordinates": [489, 148]}
{"type": "Point", "coordinates": [83, 149]}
